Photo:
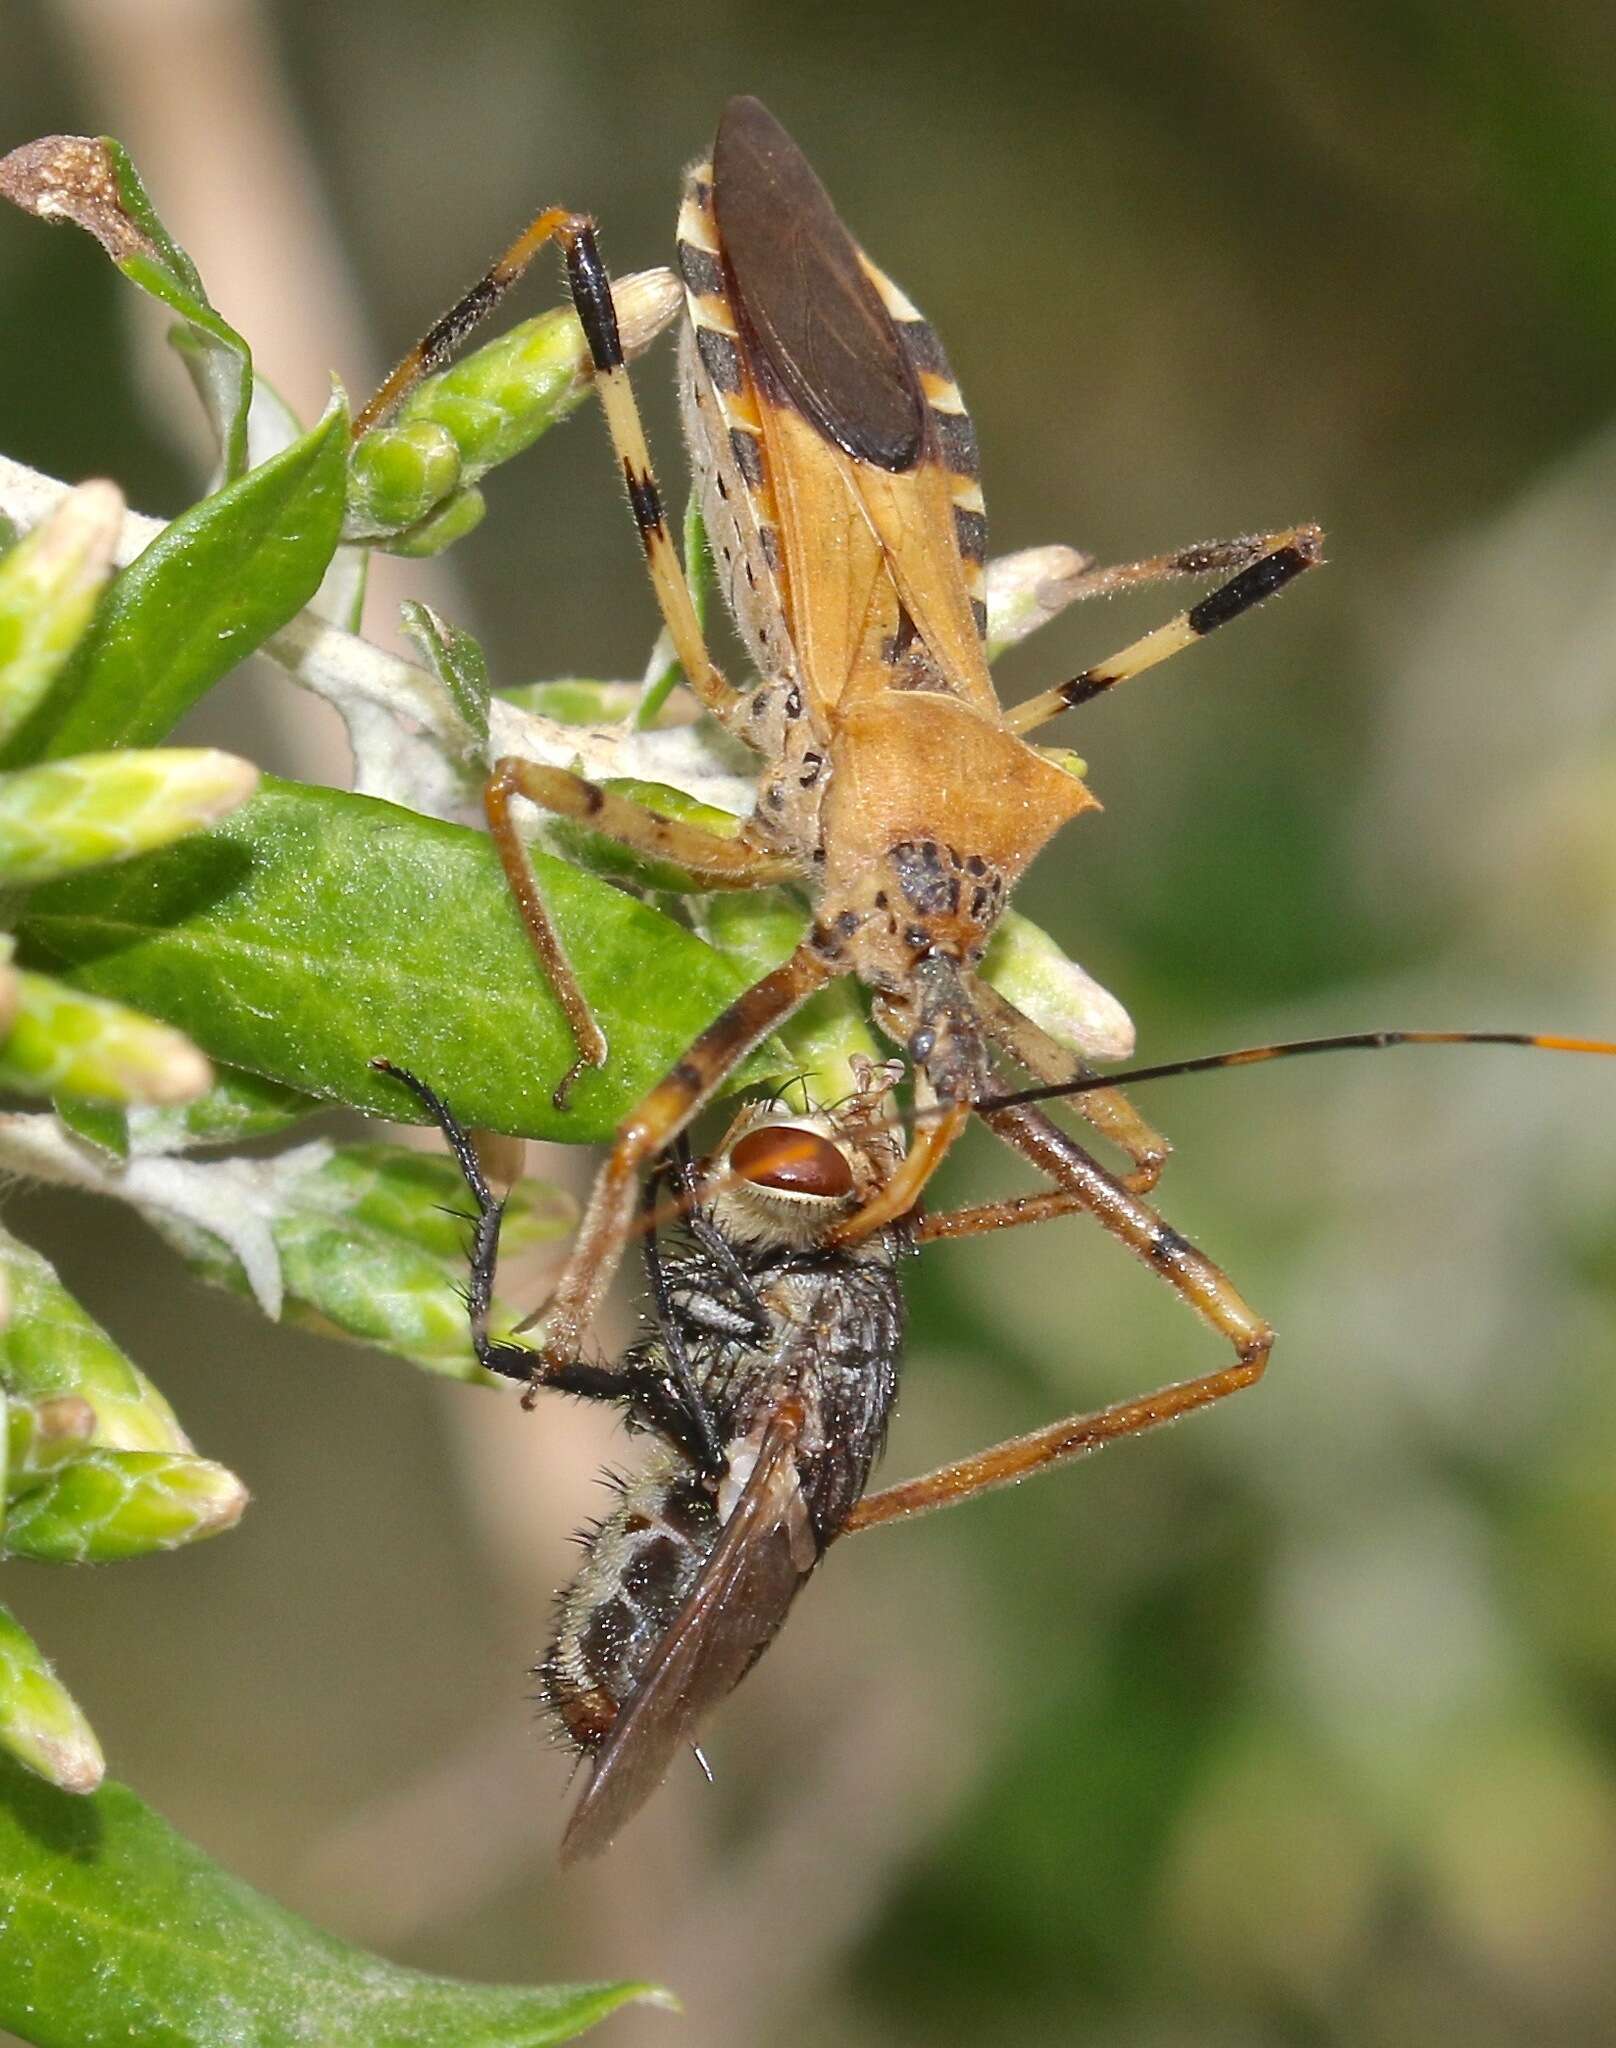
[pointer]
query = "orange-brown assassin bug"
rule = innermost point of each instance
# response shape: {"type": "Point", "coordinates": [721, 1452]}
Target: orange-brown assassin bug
{"type": "Point", "coordinates": [838, 473]}
{"type": "Point", "coordinates": [767, 1374]}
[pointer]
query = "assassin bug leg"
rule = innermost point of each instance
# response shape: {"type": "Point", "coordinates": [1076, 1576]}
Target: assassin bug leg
{"type": "Point", "coordinates": [591, 291]}
{"type": "Point", "coordinates": [1085, 1186]}
{"type": "Point", "coordinates": [1289, 554]}
{"type": "Point", "coordinates": [1205, 1288]}
{"type": "Point", "coordinates": [661, 1116]}
{"type": "Point", "coordinates": [719, 863]}
{"type": "Point", "coordinates": [674, 1404]}
{"type": "Point", "coordinates": [1107, 1108]}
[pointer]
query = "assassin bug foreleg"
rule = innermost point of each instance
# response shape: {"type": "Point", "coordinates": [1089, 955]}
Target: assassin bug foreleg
{"type": "Point", "coordinates": [838, 474]}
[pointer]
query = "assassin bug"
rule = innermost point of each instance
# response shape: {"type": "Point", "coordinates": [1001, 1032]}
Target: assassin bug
{"type": "Point", "coordinates": [767, 1377]}
{"type": "Point", "coordinates": [837, 468]}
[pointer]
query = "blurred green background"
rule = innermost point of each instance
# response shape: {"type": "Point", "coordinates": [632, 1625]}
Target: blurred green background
{"type": "Point", "coordinates": [1296, 1724]}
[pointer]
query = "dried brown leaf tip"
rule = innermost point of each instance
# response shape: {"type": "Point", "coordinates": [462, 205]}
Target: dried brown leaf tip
{"type": "Point", "coordinates": [74, 177]}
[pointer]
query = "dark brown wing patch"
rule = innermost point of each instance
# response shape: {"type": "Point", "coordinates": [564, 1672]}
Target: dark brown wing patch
{"type": "Point", "coordinates": [730, 1616]}
{"type": "Point", "coordinates": [812, 314]}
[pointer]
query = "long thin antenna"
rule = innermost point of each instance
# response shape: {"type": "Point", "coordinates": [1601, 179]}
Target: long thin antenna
{"type": "Point", "coordinates": [1296, 1048]}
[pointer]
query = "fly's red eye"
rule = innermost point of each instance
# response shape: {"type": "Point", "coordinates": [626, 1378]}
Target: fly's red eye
{"type": "Point", "coordinates": [797, 1162]}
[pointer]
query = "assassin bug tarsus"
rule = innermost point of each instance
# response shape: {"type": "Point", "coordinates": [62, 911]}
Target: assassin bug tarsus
{"type": "Point", "coordinates": [838, 472]}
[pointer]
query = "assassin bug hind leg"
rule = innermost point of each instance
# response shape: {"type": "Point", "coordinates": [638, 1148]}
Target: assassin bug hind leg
{"type": "Point", "coordinates": [1279, 559]}
{"type": "Point", "coordinates": [1203, 1286]}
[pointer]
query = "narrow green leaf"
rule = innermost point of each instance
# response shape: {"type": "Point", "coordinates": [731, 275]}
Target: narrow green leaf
{"type": "Point", "coordinates": [89, 180]}
{"type": "Point", "coordinates": [108, 1505]}
{"type": "Point", "coordinates": [121, 1931]}
{"type": "Point", "coordinates": [346, 1279]}
{"type": "Point", "coordinates": [105, 1125]}
{"type": "Point", "coordinates": [577, 701]}
{"type": "Point", "coordinates": [421, 1199]}
{"type": "Point", "coordinates": [65, 1042]}
{"type": "Point", "coordinates": [213, 586]}
{"type": "Point", "coordinates": [49, 586]}
{"type": "Point", "coordinates": [314, 931]}
{"type": "Point", "coordinates": [457, 660]}
{"type": "Point", "coordinates": [1028, 968]}
{"type": "Point", "coordinates": [40, 1722]}
{"type": "Point", "coordinates": [66, 815]}
{"type": "Point", "coordinates": [51, 1347]}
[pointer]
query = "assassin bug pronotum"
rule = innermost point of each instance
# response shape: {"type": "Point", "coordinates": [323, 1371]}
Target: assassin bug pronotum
{"type": "Point", "coordinates": [838, 473]}
{"type": "Point", "coordinates": [768, 1374]}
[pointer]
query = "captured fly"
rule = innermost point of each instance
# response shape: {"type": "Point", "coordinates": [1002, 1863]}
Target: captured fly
{"type": "Point", "coordinates": [765, 1380]}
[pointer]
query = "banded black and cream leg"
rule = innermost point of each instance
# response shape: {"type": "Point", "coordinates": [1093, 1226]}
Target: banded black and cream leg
{"type": "Point", "coordinates": [1264, 564]}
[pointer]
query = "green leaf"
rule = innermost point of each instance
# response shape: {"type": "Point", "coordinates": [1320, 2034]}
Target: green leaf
{"type": "Point", "coordinates": [66, 815]}
{"type": "Point", "coordinates": [576, 701]}
{"type": "Point", "coordinates": [50, 584]}
{"type": "Point", "coordinates": [212, 586]}
{"type": "Point", "coordinates": [238, 1106]}
{"type": "Point", "coordinates": [90, 181]}
{"type": "Point", "coordinates": [63, 1041]}
{"type": "Point", "coordinates": [314, 931]}
{"type": "Point", "coordinates": [40, 1435]}
{"type": "Point", "coordinates": [40, 1722]}
{"type": "Point", "coordinates": [372, 1242]}
{"type": "Point", "coordinates": [120, 1931]}
{"type": "Point", "coordinates": [456, 659]}
{"type": "Point", "coordinates": [108, 1505]}
{"type": "Point", "coordinates": [104, 1125]}
{"type": "Point", "coordinates": [52, 1347]}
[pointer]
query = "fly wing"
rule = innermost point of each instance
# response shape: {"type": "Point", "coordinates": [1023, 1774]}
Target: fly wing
{"type": "Point", "coordinates": [728, 1618]}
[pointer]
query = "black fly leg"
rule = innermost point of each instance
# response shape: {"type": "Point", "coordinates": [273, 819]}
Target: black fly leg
{"type": "Point", "coordinates": [670, 1401]}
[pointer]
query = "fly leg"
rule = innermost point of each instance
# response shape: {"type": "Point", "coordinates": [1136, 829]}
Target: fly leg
{"type": "Point", "coordinates": [1084, 1185]}
{"type": "Point", "coordinates": [672, 1401]}
{"type": "Point", "coordinates": [1270, 560]}
{"type": "Point", "coordinates": [719, 863]}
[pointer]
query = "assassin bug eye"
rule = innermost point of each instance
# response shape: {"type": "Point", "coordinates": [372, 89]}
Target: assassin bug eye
{"type": "Point", "coordinates": [795, 1161]}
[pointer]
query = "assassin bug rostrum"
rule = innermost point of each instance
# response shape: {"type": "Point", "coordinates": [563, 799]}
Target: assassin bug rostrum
{"type": "Point", "coordinates": [838, 473]}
